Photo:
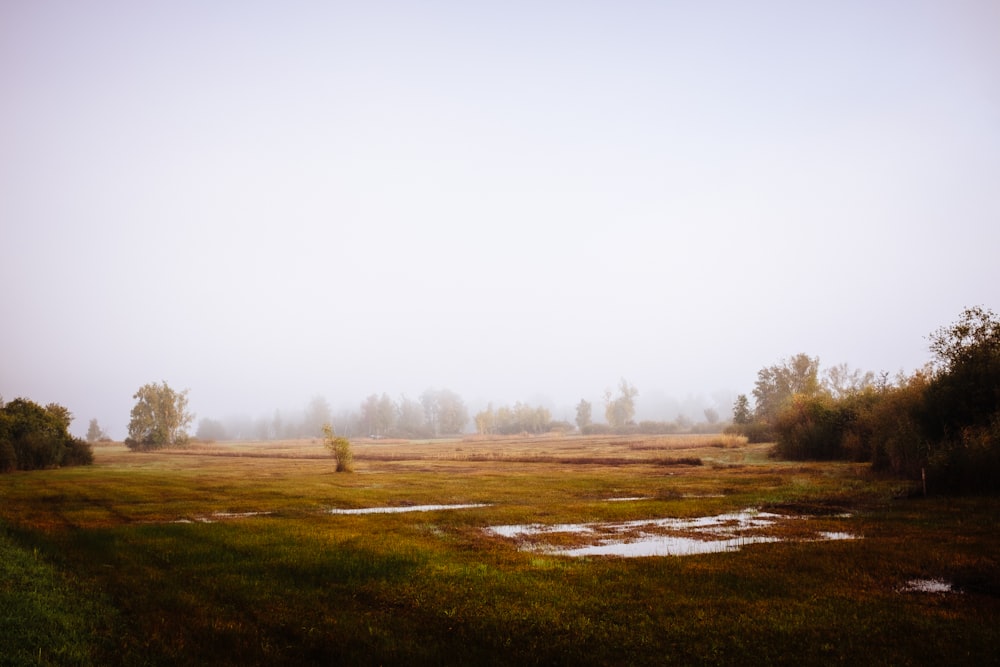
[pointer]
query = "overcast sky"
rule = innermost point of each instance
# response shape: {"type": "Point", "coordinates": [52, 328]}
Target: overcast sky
{"type": "Point", "coordinates": [263, 202]}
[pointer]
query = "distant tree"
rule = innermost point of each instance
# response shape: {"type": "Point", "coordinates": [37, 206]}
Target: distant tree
{"type": "Point", "coordinates": [378, 414]}
{"type": "Point", "coordinates": [711, 415]}
{"type": "Point", "coordinates": [777, 384]}
{"type": "Point", "coordinates": [840, 381]}
{"type": "Point", "coordinates": [444, 411]}
{"type": "Point", "coordinates": [33, 437]}
{"type": "Point", "coordinates": [340, 448]}
{"type": "Point", "coordinates": [159, 418]}
{"type": "Point", "coordinates": [741, 410]}
{"type": "Point", "coordinates": [386, 413]}
{"type": "Point", "coordinates": [316, 415]}
{"type": "Point", "coordinates": [277, 426]}
{"type": "Point", "coordinates": [410, 418]}
{"type": "Point", "coordinates": [485, 421]}
{"type": "Point", "coordinates": [95, 432]}
{"type": "Point", "coordinates": [583, 415]}
{"type": "Point", "coordinates": [210, 429]}
{"type": "Point", "coordinates": [369, 407]}
{"type": "Point", "coordinates": [261, 430]}
{"type": "Point", "coordinates": [522, 418]}
{"type": "Point", "coordinates": [452, 413]}
{"type": "Point", "coordinates": [620, 410]}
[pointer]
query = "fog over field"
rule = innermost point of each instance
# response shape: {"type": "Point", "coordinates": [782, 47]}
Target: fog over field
{"type": "Point", "coordinates": [518, 201]}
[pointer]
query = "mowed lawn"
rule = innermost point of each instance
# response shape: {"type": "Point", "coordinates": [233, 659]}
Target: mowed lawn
{"type": "Point", "coordinates": [231, 553]}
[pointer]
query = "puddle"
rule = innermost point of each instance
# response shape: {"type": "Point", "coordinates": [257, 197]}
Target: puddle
{"type": "Point", "coordinates": [927, 586]}
{"type": "Point", "coordinates": [538, 529]}
{"type": "Point", "coordinates": [406, 508]}
{"type": "Point", "coordinates": [661, 537]}
{"type": "Point", "coordinates": [213, 517]}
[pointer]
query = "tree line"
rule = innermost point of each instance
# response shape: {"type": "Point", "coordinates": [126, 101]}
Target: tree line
{"type": "Point", "coordinates": [939, 425]}
{"type": "Point", "coordinates": [436, 413]}
{"type": "Point", "coordinates": [160, 417]}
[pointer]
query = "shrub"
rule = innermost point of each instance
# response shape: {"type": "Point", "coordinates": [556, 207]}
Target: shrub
{"type": "Point", "coordinates": [78, 452]}
{"type": "Point", "coordinates": [33, 437]}
{"type": "Point", "coordinates": [809, 427]}
{"type": "Point", "coordinates": [340, 447]}
{"type": "Point", "coordinates": [755, 432]}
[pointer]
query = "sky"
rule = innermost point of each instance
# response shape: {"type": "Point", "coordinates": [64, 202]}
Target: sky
{"type": "Point", "coordinates": [263, 202]}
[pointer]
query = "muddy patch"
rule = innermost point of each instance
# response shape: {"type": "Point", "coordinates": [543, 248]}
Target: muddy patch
{"type": "Point", "coordinates": [665, 537]}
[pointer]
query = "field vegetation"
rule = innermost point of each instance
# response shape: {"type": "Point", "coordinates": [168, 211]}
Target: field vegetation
{"type": "Point", "coordinates": [228, 553]}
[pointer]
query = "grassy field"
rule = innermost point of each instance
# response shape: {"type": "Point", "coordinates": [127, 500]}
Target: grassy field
{"type": "Point", "coordinates": [229, 553]}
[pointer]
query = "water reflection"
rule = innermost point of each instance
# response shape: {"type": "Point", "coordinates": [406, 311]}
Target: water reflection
{"type": "Point", "coordinates": [927, 586]}
{"type": "Point", "coordinates": [662, 537]}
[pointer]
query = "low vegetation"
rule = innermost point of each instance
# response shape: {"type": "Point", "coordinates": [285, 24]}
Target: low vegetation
{"type": "Point", "coordinates": [340, 448]}
{"type": "Point", "coordinates": [228, 553]}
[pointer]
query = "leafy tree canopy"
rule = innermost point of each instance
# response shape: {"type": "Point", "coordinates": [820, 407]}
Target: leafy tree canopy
{"type": "Point", "coordinates": [159, 417]}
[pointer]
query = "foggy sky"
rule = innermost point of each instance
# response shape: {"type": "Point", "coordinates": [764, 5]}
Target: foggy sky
{"type": "Point", "coordinates": [264, 202]}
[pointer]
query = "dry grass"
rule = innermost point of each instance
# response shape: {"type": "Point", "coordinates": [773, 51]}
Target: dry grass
{"type": "Point", "coordinates": [565, 450]}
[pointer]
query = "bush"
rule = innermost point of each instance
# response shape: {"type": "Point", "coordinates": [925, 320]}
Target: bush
{"type": "Point", "coordinates": [78, 452]}
{"type": "Point", "coordinates": [340, 447]}
{"type": "Point", "coordinates": [33, 437]}
{"type": "Point", "coordinates": [809, 427]}
{"type": "Point", "coordinates": [755, 432]}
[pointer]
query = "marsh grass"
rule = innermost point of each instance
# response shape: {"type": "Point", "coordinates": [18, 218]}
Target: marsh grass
{"type": "Point", "coordinates": [302, 586]}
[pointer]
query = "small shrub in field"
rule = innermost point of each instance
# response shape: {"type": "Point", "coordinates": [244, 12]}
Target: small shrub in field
{"type": "Point", "coordinates": [340, 447]}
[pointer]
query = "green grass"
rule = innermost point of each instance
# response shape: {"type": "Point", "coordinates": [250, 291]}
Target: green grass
{"type": "Point", "coordinates": [45, 616]}
{"type": "Point", "coordinates": [302, 586]}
